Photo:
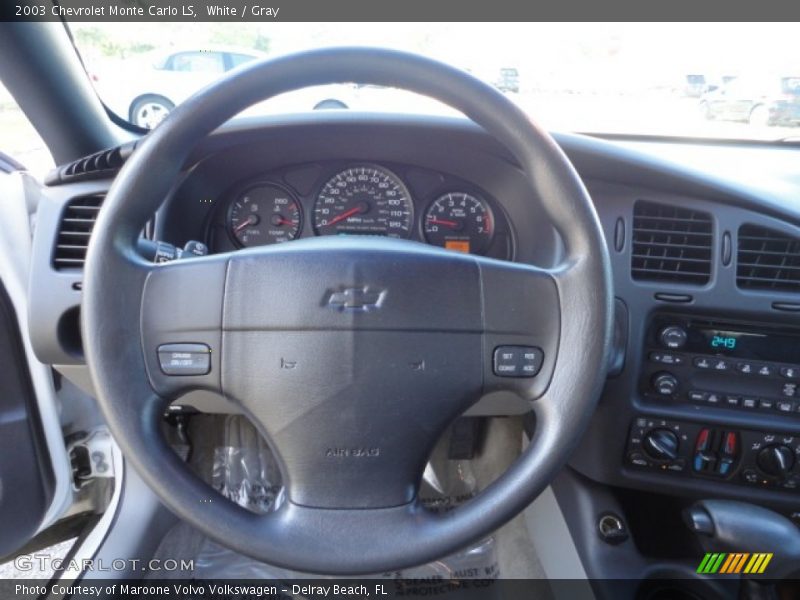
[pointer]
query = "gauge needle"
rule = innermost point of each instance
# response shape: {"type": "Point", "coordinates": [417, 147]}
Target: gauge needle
{"type": "Point", "coordinates": [251, 220]}
{"type": "Point", "coordinates": [280, 220]}
{"type": "Point", "coordinates": [445, 222]}
{"type": "Point", "coordinates": [345, 215]}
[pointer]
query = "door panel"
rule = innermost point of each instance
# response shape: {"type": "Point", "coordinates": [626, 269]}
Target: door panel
{"type": "Point", "coordinates": [26, 474]}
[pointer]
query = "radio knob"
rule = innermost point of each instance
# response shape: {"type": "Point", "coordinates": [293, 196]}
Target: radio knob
{"type": "Point", "coordinates": [673, 337]}
{"type": "Point", "coordinates": [775, 460]}
{"type": "Point", "coordinates": [661, 444]}
{"type": "Point", "coordinates": [665, 384]}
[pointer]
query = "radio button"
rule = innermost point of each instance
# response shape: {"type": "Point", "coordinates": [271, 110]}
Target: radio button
{"type": "Point", "coordinates": [784, 406]}
{"type": "Point", "coordinates": [749, 402]}
{"type": "Point", "coordinates": [714, 398]}
{"type": "Point", "coordinates": [701, 362]}
{"type": "Point", "coordinates": [721, 365]}
{"type": "Point", "coordinates": [766, 370]}
{"type": "Point", "coordinates": [665, 384]}
{"type": "Point", "coordinates": [746, 368]}
{"type": "Point", "coordinates": [673, 337]}
{"type": "Point", "coordinates": [667, 358]}
{"type": "Point", "coordinates": [789, 390]}
{"type": "Point", "coordinates": [695, 396]}
{"type": "Point", "coordinates": [790, 372]}
{"type": "Point", "coordinates": [732, 401]}
{"type": "Point", "coordinates": [765, 404]}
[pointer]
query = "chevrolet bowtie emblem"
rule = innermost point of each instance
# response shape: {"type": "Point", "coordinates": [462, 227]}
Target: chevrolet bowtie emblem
{"type": "Point", "coordinates": [360, 298]}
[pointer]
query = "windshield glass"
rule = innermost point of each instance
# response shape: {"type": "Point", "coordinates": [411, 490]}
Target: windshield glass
{"type": "Point", "coordinates": [711, 80]}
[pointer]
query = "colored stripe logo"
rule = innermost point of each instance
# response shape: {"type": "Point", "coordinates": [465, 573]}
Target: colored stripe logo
{"type": "Point", "coordinates": [734, 562]}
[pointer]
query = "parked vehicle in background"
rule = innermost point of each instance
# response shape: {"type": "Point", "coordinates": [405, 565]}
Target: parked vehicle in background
{"type": "Point", "coordinates": [145, 89]}
{"type": "Point", "coordinates": [758, 100]}
{"type": "Point", "coordinates": [696, 86]}
{"type": "Point", "coordinates": [508, 80]}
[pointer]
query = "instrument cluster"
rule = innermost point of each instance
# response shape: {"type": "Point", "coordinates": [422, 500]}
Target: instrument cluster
{"type": "Point", "coordinates": [359, 198]}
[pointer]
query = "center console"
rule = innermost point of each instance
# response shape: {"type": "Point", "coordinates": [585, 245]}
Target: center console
{"type": "Point", "coordinates": [719, 364]}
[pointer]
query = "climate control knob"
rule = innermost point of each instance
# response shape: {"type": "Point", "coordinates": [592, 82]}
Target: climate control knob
{"type": "Point", "coordinates": [665, 384]}
{"type": "Point", "coordinates": [673, 337]}
{"type": "Point", "coordinates": [661, 444]}
{"type": "Point", "coordinates": [775, 460]}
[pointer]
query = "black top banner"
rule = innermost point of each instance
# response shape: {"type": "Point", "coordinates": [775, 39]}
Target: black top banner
{"type": "Point", "coordinates": [257, 11]}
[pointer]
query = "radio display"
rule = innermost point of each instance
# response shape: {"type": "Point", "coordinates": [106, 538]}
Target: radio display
{"type": "Point", "coordinates": [756, 345]}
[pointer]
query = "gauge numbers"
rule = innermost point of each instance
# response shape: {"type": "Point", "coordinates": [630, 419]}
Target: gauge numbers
{"type": "Point", "coordinates": [459, 221]}
{"type": "Point", "coordinates": [364, 200]}
{"type": "Point", "coordinates": [264, 214]}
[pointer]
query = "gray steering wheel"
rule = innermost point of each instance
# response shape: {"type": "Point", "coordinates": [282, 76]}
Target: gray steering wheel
{"type": "Point", "coordinates": [373, 381]}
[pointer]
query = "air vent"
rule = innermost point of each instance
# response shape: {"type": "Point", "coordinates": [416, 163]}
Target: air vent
{"type": "Point", "coordinates": [671, 243]}
{"type": "Point", "coordinates": [100, 165]}
{"type": "Point", "coordinates": [77, 222]}
{"type": "Point", "coordinates": [767, 260]}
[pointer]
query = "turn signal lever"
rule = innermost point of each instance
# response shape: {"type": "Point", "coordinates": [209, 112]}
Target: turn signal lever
{"type": "Point", "coordinates": [159, 252]}
{"type": "Point", "coordinates": [729, 526]}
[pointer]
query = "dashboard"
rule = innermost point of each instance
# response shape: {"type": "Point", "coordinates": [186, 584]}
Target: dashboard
{"type": "Point", "coordinates": [351, 197]}
{"type": "Point", "coordinates": [702, 396]}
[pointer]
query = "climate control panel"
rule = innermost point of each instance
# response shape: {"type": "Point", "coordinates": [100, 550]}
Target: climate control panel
{"type": "Point", "coordinates": [738, 456]}
{"type": "Point", "coordinates": [722, 364]}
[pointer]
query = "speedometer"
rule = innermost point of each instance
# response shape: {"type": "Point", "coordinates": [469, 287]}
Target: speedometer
{"type": "Point", "coordinates": [365, 200]}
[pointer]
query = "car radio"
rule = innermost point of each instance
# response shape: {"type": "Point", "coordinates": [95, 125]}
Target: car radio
{"type": "Point", "coordinates": [722, 364]}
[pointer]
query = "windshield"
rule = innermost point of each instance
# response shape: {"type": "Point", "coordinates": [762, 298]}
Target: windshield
{"type": "Point", "coordinates": [711, 80]}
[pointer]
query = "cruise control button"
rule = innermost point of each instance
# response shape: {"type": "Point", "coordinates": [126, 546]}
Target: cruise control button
{"type": "Point", "coordinates": [531, 361]}
{"type": "Point", "coordinates": [184, 359]}
{"type": "Point", "coordinates": [506, 361]}
{"type": "Point", "coordinates": [517, 361]}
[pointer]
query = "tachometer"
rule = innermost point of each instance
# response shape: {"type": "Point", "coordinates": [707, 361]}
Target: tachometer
{"type": "Point", "coordinates": [459, 221]}
{"type": "Point", "coordinates": [265, 214]}
{"type": "Point", "coordinates": [366, 200]}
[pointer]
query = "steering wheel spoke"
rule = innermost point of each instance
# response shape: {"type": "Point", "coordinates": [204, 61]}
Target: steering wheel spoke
{"type": "Point", "coordinates": [521, 324]}
{"type": "Point", "coordinates": [181, 325]}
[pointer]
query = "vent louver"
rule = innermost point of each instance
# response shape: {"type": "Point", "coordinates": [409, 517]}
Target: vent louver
{"type": "Point", "coordinates": [671, 243]}
{"type": "Point", "coordinates": [100, 165]}
{"type": "Point", "coordinates": [767, 260]}
{"type": "Point", "coordinates": [77, 222]}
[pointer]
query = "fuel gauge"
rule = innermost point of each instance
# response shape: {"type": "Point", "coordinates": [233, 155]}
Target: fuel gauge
{"type": "Point", "coordinates": [265, 214]}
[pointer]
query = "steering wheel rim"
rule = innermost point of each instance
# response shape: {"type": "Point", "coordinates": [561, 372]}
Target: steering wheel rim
{"type": "Point", "coordinates": [388, 532]}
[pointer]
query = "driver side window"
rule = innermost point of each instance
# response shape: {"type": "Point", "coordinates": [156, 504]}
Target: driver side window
{"type": "Point", "coordinates": [19, 140]}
